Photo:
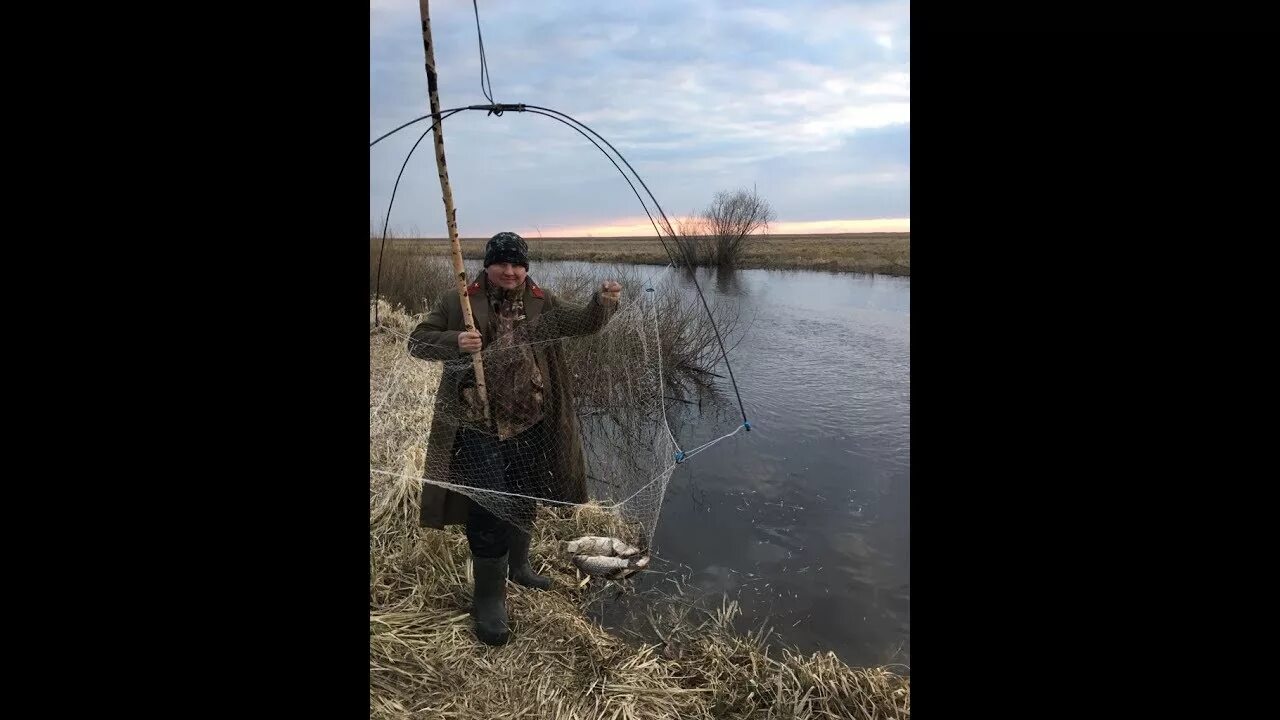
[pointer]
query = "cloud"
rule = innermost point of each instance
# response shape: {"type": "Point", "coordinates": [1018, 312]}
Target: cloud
{"type": "Point", "coordinates": [810, 100]}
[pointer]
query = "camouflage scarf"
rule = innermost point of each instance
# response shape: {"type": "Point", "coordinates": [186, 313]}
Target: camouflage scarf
{"type": "Point", "coordinates": [515, 385]}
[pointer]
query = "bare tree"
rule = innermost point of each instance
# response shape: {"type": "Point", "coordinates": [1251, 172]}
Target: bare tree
{"type": "Point", "coordinates": [692, 240]}
{"type": "Point", "coordinates": [731, 221]}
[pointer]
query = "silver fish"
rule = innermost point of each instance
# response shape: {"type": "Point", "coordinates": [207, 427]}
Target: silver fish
{"type": "Point", "coordinates": [613, 568]}
{"type": "Point", "coordinates": [606, 546]}
{"type": "Point", "coordinates": [607, 557]}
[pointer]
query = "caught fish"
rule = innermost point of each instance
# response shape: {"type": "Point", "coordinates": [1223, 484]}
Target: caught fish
{"type": "Point", "coordinates": [607, 546]}
{"type": "Point", "coordinates": [614, 568]}
{"type": "Point", "coordinates": [607, 557]}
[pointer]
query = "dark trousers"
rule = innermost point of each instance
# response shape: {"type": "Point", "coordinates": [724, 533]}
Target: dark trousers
{"type": "Point", "coordinates": [516, 465]}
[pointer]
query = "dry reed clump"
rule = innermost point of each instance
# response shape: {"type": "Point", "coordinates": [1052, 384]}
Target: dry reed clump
{"type": "Point", "coordinates": [424, 660]}
{"type": "Point", "coordinates": [690, 351]}
{"type": "Point", "coordinates": [405, 278]}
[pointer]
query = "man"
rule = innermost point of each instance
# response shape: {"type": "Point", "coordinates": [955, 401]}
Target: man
{"type": "Point", "coordinates": [528, 444]}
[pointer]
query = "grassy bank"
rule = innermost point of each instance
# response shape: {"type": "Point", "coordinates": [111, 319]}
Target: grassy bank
{"type": "Point", "coordinates": [426, 663]}
{"type": "Point", "coordinates": [882, 253]}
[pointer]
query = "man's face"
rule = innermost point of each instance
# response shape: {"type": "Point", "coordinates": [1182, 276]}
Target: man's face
{"type": "Point", "coordinates": [506, 275]}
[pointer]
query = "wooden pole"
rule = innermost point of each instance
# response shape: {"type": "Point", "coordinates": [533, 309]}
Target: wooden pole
{"type": "Point", "coordinates": [450, 213]}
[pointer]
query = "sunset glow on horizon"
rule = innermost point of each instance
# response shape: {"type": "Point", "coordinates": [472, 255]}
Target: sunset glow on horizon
{"type": "Point", "coordinates": [633, 227]}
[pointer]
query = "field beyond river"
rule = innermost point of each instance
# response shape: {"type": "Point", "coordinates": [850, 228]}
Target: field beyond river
{"type": "Point", "coordinates": [878, 253]}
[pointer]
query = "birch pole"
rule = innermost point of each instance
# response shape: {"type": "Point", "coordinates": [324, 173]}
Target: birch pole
{"type": "Point", "coordinates": [450, 213]}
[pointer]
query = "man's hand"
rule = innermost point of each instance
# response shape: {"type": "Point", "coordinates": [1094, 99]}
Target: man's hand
{"type": "Point", "coordinates": [469, 342]}
{"type": "Point", "coordinates": [610, 291]}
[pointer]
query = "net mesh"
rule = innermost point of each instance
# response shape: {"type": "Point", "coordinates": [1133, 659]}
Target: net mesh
{"type": "Point", "coordinates": [573, 408]}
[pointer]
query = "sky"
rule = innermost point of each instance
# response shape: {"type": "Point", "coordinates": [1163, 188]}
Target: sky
{"type": "Point", "coordinates": [807, 101]}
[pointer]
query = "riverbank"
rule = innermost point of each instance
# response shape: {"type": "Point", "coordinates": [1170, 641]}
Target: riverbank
{"type": "Point", "coordinates": [426, 662]}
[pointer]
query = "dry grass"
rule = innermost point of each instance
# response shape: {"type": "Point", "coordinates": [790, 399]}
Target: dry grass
{"type": "Point", "coordinates": [425, 662]}
{"type": "Point", "coordinates": [413, 285]}
{"type": "Point", "coordinates": [882, 253]}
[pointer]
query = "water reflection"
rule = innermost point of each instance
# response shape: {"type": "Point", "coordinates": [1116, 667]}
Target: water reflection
{"type": "Point", "coordinates": [806, 519]}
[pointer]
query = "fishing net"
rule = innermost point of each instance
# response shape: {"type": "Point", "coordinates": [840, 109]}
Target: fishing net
{"type": "Point", "coordinates": [574, 408]}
